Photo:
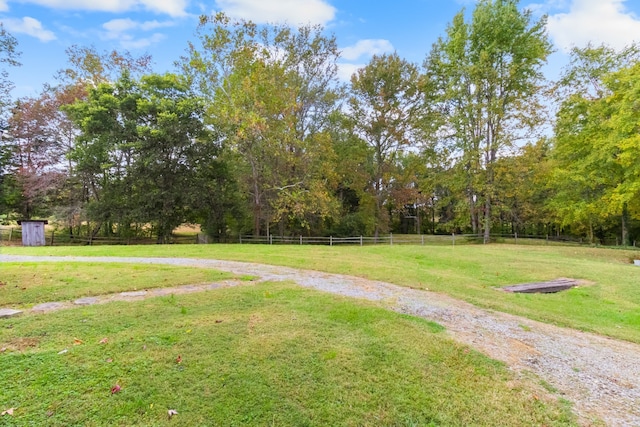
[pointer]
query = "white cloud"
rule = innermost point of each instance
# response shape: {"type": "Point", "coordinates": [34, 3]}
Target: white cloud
{"type": "Point", "coordinates": [168, 7]}
{"type": "Point", "coordinates": [273, 11]}
{"type": "Point", "coordinates": [120, 29]}
{"type": "Point", "coordinates": [29, 26]}
{"type": "Point", "coordinates": [123, 25]}
{"type": "Point", "coordinates": [345, 71]}
{"type": "Point", "coordinates": [367, 47]}
{"type": "Point", "coordinates": [130, 43]}
{"type": "Point", "coordinates": [3, 6]}
{"type": "Point", "coordinates": [596, 21]}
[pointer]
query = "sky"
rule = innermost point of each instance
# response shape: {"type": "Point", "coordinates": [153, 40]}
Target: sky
{"type": "Point", "coordinates": [363, 28]}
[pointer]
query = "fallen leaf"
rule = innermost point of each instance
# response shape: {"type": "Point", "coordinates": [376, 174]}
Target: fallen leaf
{"type": "Point", "coordinates": [115, 389]}
{"type": "Point", "coordinates": [172, 412]}
{"type": "Point", "coordinates": [179, 359]}
{"type": "Point", "coordinates": [218, 321]}
{"type": "Point", "coordinates": [3, 349]}
{"type": "Point", "coordinates": [76, 341]}
{"type": "Point", "coordinates": [109, 360]}
{"type": "Point", "coordinates": [104, 340]}
{"type": "Point", "coordinates": [10, 412]}
{"type": "Point", "coordinates": [63, 351]}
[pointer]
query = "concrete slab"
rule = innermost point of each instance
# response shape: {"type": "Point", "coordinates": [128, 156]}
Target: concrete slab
{"type": "Point", "coordinates": [86, 301]}
{"type": "Point", "coordinates": [134, 294]}
{"type": "Point", "coordinates": [48, 306]}
{"type": "Point", "coordinates": [8, 312]}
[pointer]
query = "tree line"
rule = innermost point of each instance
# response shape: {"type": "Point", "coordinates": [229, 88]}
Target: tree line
{"type": "Point", "coordinates": [253, 133]}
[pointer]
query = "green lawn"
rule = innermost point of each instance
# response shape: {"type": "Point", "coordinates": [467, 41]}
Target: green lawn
{"type": "Point", "coordinates": [259, 355]}
{"type": "Point", "coordinates": [609, 306]}
{"type": "Point", "coordinates": [27, 284]}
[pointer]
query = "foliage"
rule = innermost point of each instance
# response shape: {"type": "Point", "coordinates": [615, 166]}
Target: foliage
{"type": "Point", "coordinates": [487, 74]}
{"type": "Point", "coordinates": [272, 90]}
{"type": "Point", "coordinates": [384, 103]}
{"type": "Point", "coordinates": [596, 146]}
{"type": "Point", "coordinates": [140, 146]}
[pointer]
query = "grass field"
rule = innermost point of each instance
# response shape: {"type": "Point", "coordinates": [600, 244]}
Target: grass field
{"type": "Point", "coordinates": [259, 355]}
{"type": "Point", "coordinates": [609, 305]}
{"type": "Point", "coordinates": [26, 284]}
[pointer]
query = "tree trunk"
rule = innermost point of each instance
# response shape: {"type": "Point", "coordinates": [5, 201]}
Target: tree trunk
{"type": "Point", "coordinates": [625, 225]}
{"type": "Point", "coordinates": [487, 220]}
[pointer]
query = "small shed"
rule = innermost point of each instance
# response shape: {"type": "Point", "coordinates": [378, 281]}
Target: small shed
{"type": "Point", "coordinates": [33, 232]}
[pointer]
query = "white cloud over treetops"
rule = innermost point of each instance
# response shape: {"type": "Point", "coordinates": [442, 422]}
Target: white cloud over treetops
{"type": "Point", "coordinates": [29, 26]}
{"type": "Point", "coordinates": [168, 7]}
{"type": "Point", "coordinates": [117, 26]}
{"type": "Point", "coordinates": [363, 49]}
{"type": "Point", "coordinates": [366, 47]}
{"type": "Point", "coordinates": [595, 21]}
{"type": "Point", "coordinates": [294, 12]}
{"type": "Point", "coordinates": [120, 29]}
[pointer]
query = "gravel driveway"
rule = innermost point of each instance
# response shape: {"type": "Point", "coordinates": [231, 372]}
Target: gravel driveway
{"type": "Point", "coordinates": [600, 375]}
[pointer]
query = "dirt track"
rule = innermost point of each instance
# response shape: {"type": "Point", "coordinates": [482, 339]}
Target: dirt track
{"type": "Point", "coordinates": [601, 376]}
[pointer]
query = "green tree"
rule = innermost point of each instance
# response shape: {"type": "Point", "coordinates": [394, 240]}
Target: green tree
{"type": "Point", "coordinates": [384, 105]}
{"type": "Point", "coordinates": [272, 90]}
{"type": "Point", "coordinates": [9, 55]}
{"type": "Point", "coordinates": [487, 75]}
{"type": "Point", "coordinates": [596, 149]}
{"type": "Point", "coordinates": [141, 145]}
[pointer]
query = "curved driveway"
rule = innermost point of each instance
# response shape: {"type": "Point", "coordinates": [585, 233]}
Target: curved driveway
{"type": "Point", "coordinates": [600, 375]}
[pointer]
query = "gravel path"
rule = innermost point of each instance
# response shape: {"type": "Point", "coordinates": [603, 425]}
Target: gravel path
{"type": "Point", "coordinates": [601, 376]}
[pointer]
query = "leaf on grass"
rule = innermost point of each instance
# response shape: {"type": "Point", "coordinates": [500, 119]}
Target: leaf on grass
{"type": "Point", "coordinates": [109, 360]}
{"type": "Point", "coordinates": [76, 341]}
{"type": "Point", "coordinates": [63, 351]}
{"type": "Point", "coordinates": [179, 359]}
{"type": "Point", "coordinates": [115, 389]}
{"type": "Point", "coordinates": [3, 349]}
{"type": "Point", "coordinates": [172, 412]}
{"type": "Point", "coordinates": [104, 340]}
{"type": "Point", "coordinates": [10, 412]}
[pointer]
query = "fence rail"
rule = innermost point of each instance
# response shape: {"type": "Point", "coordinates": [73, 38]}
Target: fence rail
{"type": "Point", "coordinates": [13, 236]}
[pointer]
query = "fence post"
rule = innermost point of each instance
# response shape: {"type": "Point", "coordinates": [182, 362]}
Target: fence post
{"type": "Point", "coordinates": [516, 234]}
{"type": "Point", "coordinates": [52, 233]}
{"type": "Point", "coordinates": [330, 240]}
{"type": "Point", "coordinates": [361, 240]}
{"type": "Point", "coordinates": [10, 233]}
{"type": "Point", "coordinates": [547, 239]}
{"type": "Point", "coordinates": [271, 239]}
{"type": "Point", "coordinates": [453, 238]}
{"type": "Point", "coordinates": [423, 240]}
{"type": "Point", "coordinates": [391, 239]}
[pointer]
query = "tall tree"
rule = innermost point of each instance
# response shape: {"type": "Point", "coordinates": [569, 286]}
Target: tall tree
{"type": "Point", "coordinates": [594, 126]}
{"type": "Point", "coordinates": [141, 144]}
{"type": "Point", "coordinates": [384, 105]}
{"type": "Point", "coordinates": [271, 91]}
{"type": "Point", "coordinates": [596, 150]}
{"type": "Point", "coordinates": [9, 55]}
{"type": "Point", "coordinates": [487, 74]}
{"type": "Point", "coordinates": [37, 158]}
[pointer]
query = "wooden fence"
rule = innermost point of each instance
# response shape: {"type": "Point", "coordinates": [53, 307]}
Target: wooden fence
{"type": "Point", "coordinates": [13, 236]}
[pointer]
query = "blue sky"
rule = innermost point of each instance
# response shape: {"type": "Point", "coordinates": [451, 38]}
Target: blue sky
{"type": "Point", "coordinates": [45, 28]}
